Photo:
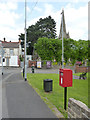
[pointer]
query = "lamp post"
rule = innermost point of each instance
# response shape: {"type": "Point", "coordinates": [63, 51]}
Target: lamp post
{"type": "Point", "coordinates": [25, 45]}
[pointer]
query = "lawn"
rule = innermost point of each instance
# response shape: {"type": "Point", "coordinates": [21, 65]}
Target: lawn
{"type": "Point", "coordinates": [78, 74]}
{"type": "Point", "coordinates": [79, 90]}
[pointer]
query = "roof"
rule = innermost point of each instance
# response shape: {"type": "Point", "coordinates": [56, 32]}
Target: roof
{"type": "Point", "coordinates": [10, 44]}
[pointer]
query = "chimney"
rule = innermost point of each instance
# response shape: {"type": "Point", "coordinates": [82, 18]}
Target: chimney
{"type": "Point", "coordinates": [4, 39]}
{"type": "Point", "coordinates": [19, 41]}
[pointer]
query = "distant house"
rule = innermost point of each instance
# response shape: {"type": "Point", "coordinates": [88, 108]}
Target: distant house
{"type": "Point", "coordinates": [12, 51]}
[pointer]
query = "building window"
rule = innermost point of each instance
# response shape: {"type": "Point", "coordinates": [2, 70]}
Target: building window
{"type": "Point", "coordinates": [11, 51]}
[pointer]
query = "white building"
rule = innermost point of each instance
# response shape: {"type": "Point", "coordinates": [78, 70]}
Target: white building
{"type": "Point", "coordinates": [12, 51]}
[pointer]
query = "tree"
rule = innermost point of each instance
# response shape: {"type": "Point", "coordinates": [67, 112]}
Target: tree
{"type": "Point", "coordinates": [73, 53]}
{"type": "Point", "coordinates": [43, 28]}
{"type": "Point", "coordinates": [82, 53]}
{"type": "Point", "coordinates": [70, 50]}
{"type": "Point", "coordinates": [48, 49]}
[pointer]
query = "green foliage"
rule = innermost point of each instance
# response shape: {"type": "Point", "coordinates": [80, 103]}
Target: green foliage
{"type": "Point", "coordinates": [75, 50]}
{"type": "Point", "coordinates": [82, 50]}
{"type": "Point", "coordinates": [48, 49]}
{"type": "Point", "coordinates": [43, 33]}
{"type": "Point", "coordinates": [43, 28]}
{"type": "Point", "coordinates": [54, 63]}
{"type": "Point", "coordinates": [21, 59]}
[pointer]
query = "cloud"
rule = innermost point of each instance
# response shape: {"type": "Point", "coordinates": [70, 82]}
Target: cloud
{"type": "Point", "coordinates": [11, 34]}
{"type": "Point", "coordinates": [8, 21]}
{"type": "Point", "coordinates": [8, 6]}
{"type": "Point", "coordinates": [38, 9]}
{"type": "Point", "coordinates": [28, 9]}
{"type": "Point", "coordinates": [8, 18]}
{"type": "Point", "coordinates": [74, 1]}
{"type": "Point", "coordinates": [76, 20]}
{"type": "Point", "coordinates": [48, 9]}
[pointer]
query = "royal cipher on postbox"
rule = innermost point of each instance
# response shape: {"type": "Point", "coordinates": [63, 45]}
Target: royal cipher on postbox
{"type": "Point", "coordinates": [65, 77]}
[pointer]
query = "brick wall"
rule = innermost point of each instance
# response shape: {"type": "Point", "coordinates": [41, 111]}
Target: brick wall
{"type": "Point", "coordinates": [81, 69]}
{"type": "Point", "coordinates": [32, 62]}
{"type": "Point", "coordinates": [19, 62]}
{"type": "Point", "coordinates": [77, 109]}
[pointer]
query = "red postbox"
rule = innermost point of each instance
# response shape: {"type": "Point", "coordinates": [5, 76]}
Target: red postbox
{"type": "Point", "coordinates": [65, 77]}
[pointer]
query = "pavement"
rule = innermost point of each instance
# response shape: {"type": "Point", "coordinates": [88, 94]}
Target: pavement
{"type": "Point", "coordinates": [19, 99]}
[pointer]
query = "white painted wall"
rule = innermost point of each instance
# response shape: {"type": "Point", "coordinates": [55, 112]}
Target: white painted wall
{"type": "Point", "coordinates": [14, 61]}
{"type": "Point", "coordinates": [7, 52]}
{"type": "Point", "coordinates": [16, 51]}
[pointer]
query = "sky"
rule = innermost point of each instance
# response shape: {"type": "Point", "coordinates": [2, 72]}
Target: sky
{"type": "Point", "coordinates": [12, 16]}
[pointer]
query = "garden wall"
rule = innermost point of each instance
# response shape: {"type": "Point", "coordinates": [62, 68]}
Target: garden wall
{"type": "Point", "coordinates": [32, 62]}
{"type": "Point", "coordinates": [81, 69]}
{"type": "Point", "coordinates": [77, 109]}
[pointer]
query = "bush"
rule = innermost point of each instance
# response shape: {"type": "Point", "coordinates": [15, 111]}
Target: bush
{"type": "Point", "coordinates": [21, 58]}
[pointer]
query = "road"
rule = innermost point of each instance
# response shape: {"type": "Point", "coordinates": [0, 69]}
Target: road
{"type": "Point", "coordinates": [47, 71]}
{"type": "Point", "coordinates": [19, 100]}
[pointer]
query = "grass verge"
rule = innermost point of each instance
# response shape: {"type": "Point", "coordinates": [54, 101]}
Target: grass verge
{"type": "Point", "coordinates": [78, 91]}
{"type": "Point", "coordinates": [78, 74]}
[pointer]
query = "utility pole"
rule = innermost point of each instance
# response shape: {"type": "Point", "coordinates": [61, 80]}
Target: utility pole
{"type": "Point", "coordinates": [2, 60]}
{"type": "Point", "coordinates": [65, 89]}
{"type": "Point", "coordinates": [62, 43]}
{"type": "Point", "coordinates": [2, 52]}
{"type": "Point", "coordinates": [25, 43]}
